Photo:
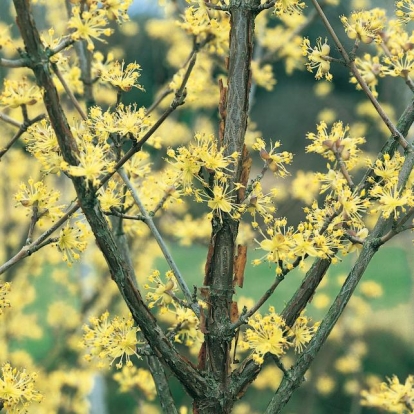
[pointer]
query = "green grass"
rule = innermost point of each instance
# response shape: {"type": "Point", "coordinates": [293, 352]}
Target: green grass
{"type": "Point", "coordinates": [389, 267]}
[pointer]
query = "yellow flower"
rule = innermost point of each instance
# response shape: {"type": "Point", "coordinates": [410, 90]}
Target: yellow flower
{"type": "Point", "coordinates": [404, 10]}
{"type": "Point", "coordinates": [35, 195]}
{"type": "Point", "coordinates": [113, 340]}
{"type": "Point", "coordinates": [266, 334]}
{"type": "Point", "coordinates": [17, 389]}
{"type": "Point", "coordinates": [392, 396]}
{"type": "Point", "coordinates": [365, 25]}
{"type": "Point", "coordinates": [72, 241]}
{"type": "Point", "coordinates": [18, 93]}
{"type": "Point", "coordinates": [318, 58]}
{"type": "Point", "coordinates": [89, 24]}
{"type": "Point", "coordinates": [370, 68]}
{"type": "Point", "coordinates": [289, 7]}
{"type": "Point", "coordinates": [123, 78]}
{"type": "Point", "coordinates": [160, 293]}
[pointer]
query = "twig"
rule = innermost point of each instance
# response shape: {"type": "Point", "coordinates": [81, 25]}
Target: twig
{"type": "Point", "coordinates": [269, 292]}
{"type": "Point", "coordinates": [351, 65]}
{"type": "Point", "coordinates": [75, 102]}
{"type": "Point", "coordinates": [39, 242]}
{"type": "Point", "coordinates": [22, 129]}
{"type": "Point", "coordinates": [150, 223]}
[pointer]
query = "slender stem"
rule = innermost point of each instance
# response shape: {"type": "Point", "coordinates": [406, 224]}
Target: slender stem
{"type": "Point", "coordinates": [72, 97]}
{"type": "Point", "coordinates": [22, 129]}
{"type": "Point", "coordinates": [168, 257]}
{"type": "Point", "coordinates": [351, 65]}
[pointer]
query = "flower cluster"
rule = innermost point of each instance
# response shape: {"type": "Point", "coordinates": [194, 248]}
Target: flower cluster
{"type": "Point", "coordinates": [207, 26]}
{"type": "Point", "coordinates": [36, 196]}
{"type": "Point", "coordinates": [393, 396]}
{"type": "Point", "coordinates": [114, 339]}
{"type": "Point", "coordinates": [285, 245]}
{"type": "Point", "coordinates": [365, 25]}
{"type": "Point", "coordinates": [160, 293]}
{"type": "Point", "coordinates": [17, 93]}
{"type": "Point", "coordinates": [131, 378]}
{"type": "Point", "coordinates": [289, 7]}
{"type": "Point", "coordinates": [276, 161]}
{"type": "Point", "coordinates": [17, 390]}
{"type": "Point", "coordinates": [266, 334]}
{"type": "Point", "coordinates": [42, 143]}
{"type": "Point", "coordinates": [318, 58]}
{"type": "Point", "coordinates": [391, 200]}
{"type": "Point", "coordinates": [404, 10]}
{"type": "Point", "coordinates": [72, 241]}
{"type": "Point", "coordinates": [89, 24]}
{"type": "Point", "coordinates": [94, 158]}
{"type": "Point", "coordinates": [335, 143]}
{"type": "Point", "coordinates": [123, 78]}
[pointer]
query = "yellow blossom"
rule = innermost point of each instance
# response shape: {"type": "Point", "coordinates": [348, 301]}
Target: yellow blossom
{"type": "Point", "coordinates": [318, 58]}
{"type": "Point", "coordinates": [160, 293]}
{"type": "Point", "coordinates": [289, 7]}
{"type": "Point", "coordinates": [17, 389]}
{"type": "Point", "coordinates": [266, 334]}
{"type": "Point", "coordinates": [72, 241]}
{"type": "Point", "coordinates": [123, 78]}
{"type": "Point", "coordinates": [89, 24]}
{"type": "Point", "coordinates": [393, 396]}
{"type": "Point", "coordinates": [113, 340]}
{"type": "Point", "coordinates": [18, 93]}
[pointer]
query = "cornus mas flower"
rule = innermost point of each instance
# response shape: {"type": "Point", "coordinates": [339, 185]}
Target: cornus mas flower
{"type": "Point", "coordinates": [220, 201]}
{"type": "Point", "coordinates": [275, 160]}
{"type": "Point", "coordinates": [399, 65]}
{"type": "Point", "coordinates": [318, 58]}
{"type": "Point", "coordinates": [266, 334]}
{"type": "Point", "coordinates": [159, 291]}
{"type": "Point", "coordinates": [335, 142]}
{"type": "Point", "coordinates": [392, 395]}
{"type": "Point", "coordinates": [404, 10]}
{"type": "Point", "coordinates": [391, 200]}
{"type": "Point", "coordinates": [72, 241]}
{"type": "Point", "coordinates": [36, 195]}
{"type": "Point", "coordinates": [16, 93]}
{"type": "Point", "coordinates": [93, 160]}
{"type": "Point", "coordinates": [42, 143]}
{"type": "Point", "coordinates": [370, 68]}
{"type": "Point", "coordinates": [365, 25]}
{"type": "Point", "coordinates": [17, 390]}
{"type": "Point", "coordinates": [124, 78]}
{"type": "Point", "coordinates": [111, 340]}
{"type": "Point", "coordinates": [88, 25]}
{"type": "Point", "coordinates": [301, 333]}
{"type": "Point", "coordinates": [289, 7]}
{"type": "Point", "coordinates": [261, 204]}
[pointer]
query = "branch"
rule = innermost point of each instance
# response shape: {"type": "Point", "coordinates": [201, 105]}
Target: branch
{"type": "Point", "coordinates": [22, 129]}
{"type": "Point", "coordinates": [351, 65]}
{"type": "Point", "coordinates": [150, 223]}
{"type": "Point", "coordinates": [369, 248]}
{"type": "Point", "coordinates": [121, 272]}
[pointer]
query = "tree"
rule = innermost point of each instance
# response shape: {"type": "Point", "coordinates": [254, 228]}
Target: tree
{"type": "Point", "coordinates": [80, 133]}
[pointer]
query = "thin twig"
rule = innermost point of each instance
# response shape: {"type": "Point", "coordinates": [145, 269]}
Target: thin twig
{"type": "Point", "coordinates": [351, 65]}
{"type": "Point", "coordinates": [150, 223]}
{"type": "Point", "coordinates": [72, 97]}
{"type": "Point", "coordinates": [22, 128]}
